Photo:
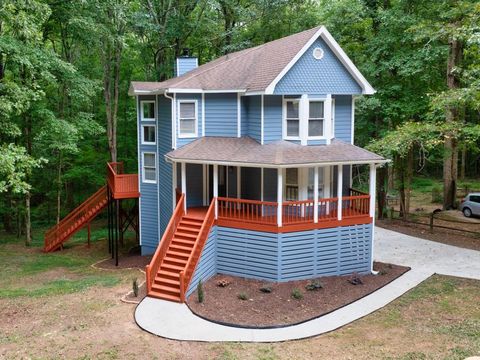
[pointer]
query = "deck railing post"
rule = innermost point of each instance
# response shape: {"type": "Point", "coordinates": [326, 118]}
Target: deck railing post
{"type": "Point", "coordinates": [279, 197]}
{"type": "Point", "coordinates": [373, 180]}
{"type": "Point", "coordinates": [339, 191]}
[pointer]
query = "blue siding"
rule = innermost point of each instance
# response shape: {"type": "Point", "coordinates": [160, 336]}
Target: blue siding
{"type": "Point", "coordinates": [185, 64]}
{"type": "Point", "coordinates": [247, 253]}
{"type": "Point", "coordinates": [272, 117]}
{"type": "Point", "coordinates": [207, 266]}
{"type": "Point", "coordinates": [312, 76]}
{"type": "Point", "coordinates": [343, 118]}
{"type": "Point", "coordinates": [243, 115]}
{"type": "Point", "coordinates": [165, 169]}
{"type": "Point", "coordinates": [254, 117]}
{"type": "Point", "coordinates": [221, 115]}
{"type": "Point", "coordinates": [198, 99]}
{"type": "Point", "coordinates": [285, 257]}
{"type": "Point", "coordinates": [149, 227]}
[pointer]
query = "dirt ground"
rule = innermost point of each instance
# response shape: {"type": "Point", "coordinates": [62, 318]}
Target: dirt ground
{"type": "Point", "coordinates": [278, 307]}
{"type": "Point", "coordinates": [439, 319]}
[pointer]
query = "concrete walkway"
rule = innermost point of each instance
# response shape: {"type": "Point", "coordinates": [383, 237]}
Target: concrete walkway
{"type": "Point", "coordinates": [176, 321]}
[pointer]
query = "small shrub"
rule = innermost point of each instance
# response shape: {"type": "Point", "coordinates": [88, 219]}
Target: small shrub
{"type": "Point", "coordinates": [314, 285]}
{"type": "Point", "coordinates": [297, 294]}
{"type": "Point", "coordinates": [266, 289]}
{"type": "Point", "coordinates": [437, 195]}
{"type": "Point", "coordinates": [200, 293]}
{"type": "Point", "coordinates": [383, 272]}
{"type": "Point", "coordinates": [355, 280]}
{"type": "Point", "coordinates": [135, 287]}
{"type": "Point", "coordinates": [223, 283]}
{"type": "Point", "coordinates": [242, 296]}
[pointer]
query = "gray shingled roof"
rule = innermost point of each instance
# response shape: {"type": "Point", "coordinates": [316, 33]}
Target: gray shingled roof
{"type": "Point", "coordinates": [281, 153]}
{"type": "Point", "coordinates": [250, 69]}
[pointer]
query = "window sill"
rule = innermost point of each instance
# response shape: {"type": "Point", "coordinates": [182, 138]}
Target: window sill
{"type": "Point", "coordinates": [148, 143]}
{"type": "Point", "coordinates": [149, 181]}
{"type": "Point", "coordinates": [188, 136]}
{"type": "Point", "coordinates": [147, 119]}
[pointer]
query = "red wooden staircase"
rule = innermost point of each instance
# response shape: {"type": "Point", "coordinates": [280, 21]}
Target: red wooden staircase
{"type": "Point", "coordinates": [172, 267]}
{"type": "Point", "coordinates": [82, 215]}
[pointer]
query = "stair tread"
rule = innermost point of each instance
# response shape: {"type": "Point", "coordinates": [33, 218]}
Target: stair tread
{"type": "Point", "coordinates": [167, 273]}
{"type": "Point", "coordinates": [181, 233]}
{"type": "Point", "coordinates": [164, 296]}
{"type": "Point", "coordinates": [160, 288]}
{"type": "Point", "coordinates": [191, 223]}
{"type": "Point", "coordinates": [170, 266]}
{"type": "Point", "coordinates": [171, 252]}
{"type": "Point", "coordinates": [183, 241]}
{"type": "Point", "coordinates": [187, 228]}
{"type": "Point", "coordinates": [159, 279]}
{"type": "Point", "coordinates": [175, 260]}
{"type": "Point", "coordinates": [176, 248]}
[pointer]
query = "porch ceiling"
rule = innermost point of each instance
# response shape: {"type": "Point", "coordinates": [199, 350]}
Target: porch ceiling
{"type": "Point", "coordinates": [245, 151]}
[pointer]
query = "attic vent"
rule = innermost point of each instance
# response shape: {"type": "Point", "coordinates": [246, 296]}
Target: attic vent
{"type": "Point", "coordinates": [318, 53]}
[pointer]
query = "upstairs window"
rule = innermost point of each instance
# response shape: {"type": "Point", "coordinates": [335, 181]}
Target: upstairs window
{"type": "Point", "coordinates": [147, 109]}
{"type": "Point", "coordinates": [292, 118]}
{"type": "Point", "coordinates": [149, 167]}
{"type": "Point", "coordinates": [148, 134]}
{"type": "Point", "coordinates": [187, 119]}
{"type": "Point", "coordinates": [316, 119]}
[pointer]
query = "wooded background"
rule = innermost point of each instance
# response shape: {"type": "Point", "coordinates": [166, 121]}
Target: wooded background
{"type": "Point", "coordinates": [65, 69]}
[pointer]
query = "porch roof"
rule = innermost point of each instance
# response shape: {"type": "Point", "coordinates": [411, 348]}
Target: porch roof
{"type": "Point", "coordinates": [245, 151]}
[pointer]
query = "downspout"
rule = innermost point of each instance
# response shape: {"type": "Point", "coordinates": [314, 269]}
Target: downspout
{"type": "Point", "coordinates": [174, 119]}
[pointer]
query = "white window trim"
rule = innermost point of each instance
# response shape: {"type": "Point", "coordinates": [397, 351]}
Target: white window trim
{"type": "Point", "coordinates": [143, 167]}
{"type": "Point", "coordinates": [143, 134]}
{"type": "Point", "coordinates": [322, 137]}
{"type": "Point", "coordinates": [189, 135]}
{"type": "Point", "coordinates": [142, 118]}
{"type": "Point", "coordinates": [284, 116]}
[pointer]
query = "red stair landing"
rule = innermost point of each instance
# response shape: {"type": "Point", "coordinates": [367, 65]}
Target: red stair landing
{"type": "Point", "coordinates": [166, 284]}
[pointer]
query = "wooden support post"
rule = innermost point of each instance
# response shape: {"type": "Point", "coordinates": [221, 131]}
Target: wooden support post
{"type": "Point", "coordinates": [339, 191]}
{"type": "Point", "coordinates": [109, 219]}
{"type": "Point", "coordinates": [215, 188]}
{"type": "Point", "coordinates": [117, 224]}
{"type": "Point", "coordinates": [315, 194]}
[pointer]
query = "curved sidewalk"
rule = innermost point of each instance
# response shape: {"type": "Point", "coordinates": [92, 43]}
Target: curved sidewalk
{"type": "Point", "coordinates": [176, 321]}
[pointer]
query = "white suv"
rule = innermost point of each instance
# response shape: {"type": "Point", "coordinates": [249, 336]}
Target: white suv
{"type": "Point", "coordinates": [470, 205]}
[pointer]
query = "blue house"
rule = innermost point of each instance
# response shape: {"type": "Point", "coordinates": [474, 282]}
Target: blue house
{"type": "Point", "coordinates": [245, 167]}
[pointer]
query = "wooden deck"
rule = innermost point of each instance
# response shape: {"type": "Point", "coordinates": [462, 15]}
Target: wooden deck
{"type": "Point", "coordinates": [122, 186]}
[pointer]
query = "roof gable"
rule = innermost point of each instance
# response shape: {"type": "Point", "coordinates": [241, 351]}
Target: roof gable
{"type": "Point", "coordinates": [254, 70]}
{"type": "Point", "coordinates": [318, 76]}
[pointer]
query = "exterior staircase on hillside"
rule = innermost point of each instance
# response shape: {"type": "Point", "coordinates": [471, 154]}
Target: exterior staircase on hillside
{"type": "Point", "coordinates": [166, 284]}
{"type": "Point", "coordinates": [174, 262]}
{"type": "Point", "coordinates": [73, 222]}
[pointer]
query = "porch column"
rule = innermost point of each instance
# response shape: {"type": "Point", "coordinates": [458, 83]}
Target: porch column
{"type": "Point", "coordinates": [339, 191]}
{"type": "Point", "coordinates": [215, 188]}
{"type": "Point", "coordinates": [239, 182]}
{"type": "Point", "coordinates": [373, 181]}
{"type": "Point", "coordinates": [315, 194]}
{"type": "Point", "coordinates": [184, 183]}
{"type": "Point", "coordinates": [174, 184]}
{"type": "Point", "coordinates": [279, 196]}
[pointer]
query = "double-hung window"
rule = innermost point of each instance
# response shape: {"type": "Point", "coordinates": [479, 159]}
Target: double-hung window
{"type": "Point", "coordinates": [187, 119]}
{"type": "Point", "coordinates": [316, 119]}
{"type": "Point", "coordinates": [147, 110]}
{"type": "Point", "coordinates": [148, 135]}
{"type": "Point", "coordinates": [149, 167]}
{"type": "Point", "coordinates": [292, 119]}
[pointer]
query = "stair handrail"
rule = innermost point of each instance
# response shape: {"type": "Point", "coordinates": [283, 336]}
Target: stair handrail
{"type": "Point", "coordinates": [152, 268]}
{"type": "Point", "coordinates": [189, 269]}
{"type": "Point", "coordinates": [51, 237]}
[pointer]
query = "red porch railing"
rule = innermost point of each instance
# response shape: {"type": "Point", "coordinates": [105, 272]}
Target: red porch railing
{"type": "Point", "coordinates": [152, 269]}
{"type": "Point", "coordinates": [122, 185]}
{"type": "Point", "coordinates": [186, 274]}
{"type": "Point", "coordinates": [262, 215]}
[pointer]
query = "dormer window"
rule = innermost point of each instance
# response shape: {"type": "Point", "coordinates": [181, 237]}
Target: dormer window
{"type": "Point", "coordinates": [187, 118]}
{"type": "Point", "coordinates": [147, 110]}
{"type": "Point", "coordinates": [316, 119]}
{"type": "Point", "coordinates": [292, 118]}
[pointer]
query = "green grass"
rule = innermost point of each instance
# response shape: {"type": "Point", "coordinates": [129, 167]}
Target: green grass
{"type": "Point", "coordinates": [24, 270]}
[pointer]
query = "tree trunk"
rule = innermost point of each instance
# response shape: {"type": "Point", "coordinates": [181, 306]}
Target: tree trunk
{"type": "Point", "coordinates": [450, 161]}
{"type": "Point", "coordinates": [463, 163]}
{"type": "Point", "coordinates": [28, 227]}
{"type": "Point", "coordinates": [408, 180]}
{"type": "Point", "coordinates": [381, 191]}
{"type": "Point", "coordinates": [59, 186]}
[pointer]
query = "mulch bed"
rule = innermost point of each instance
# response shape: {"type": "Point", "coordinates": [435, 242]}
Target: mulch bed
{"type": "Point", "coordinates": [279, 308]}
{"type": "Point", "coordinates": [124, 262]}
{"type": "Point", "coordinates": [444, 236]}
